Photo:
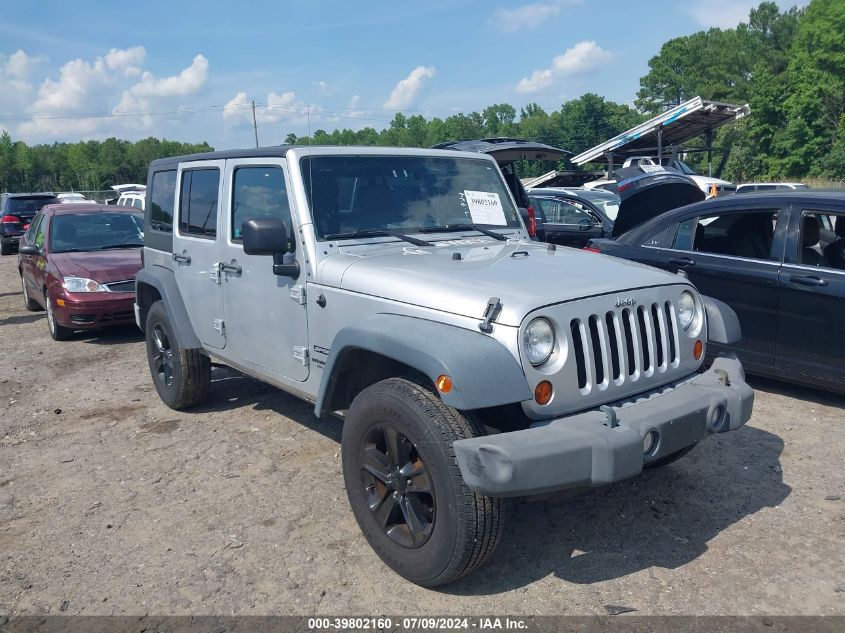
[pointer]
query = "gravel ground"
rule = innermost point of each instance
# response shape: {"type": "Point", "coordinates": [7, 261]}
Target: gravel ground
{"type": "Point", "coordinates": [111, 503]}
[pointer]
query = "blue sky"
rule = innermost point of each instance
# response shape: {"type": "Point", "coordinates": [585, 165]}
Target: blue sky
{"type": "Point", "coordinates": [189, 70]}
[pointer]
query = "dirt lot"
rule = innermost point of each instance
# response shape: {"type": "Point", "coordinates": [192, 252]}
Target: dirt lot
{"type": "Point", "coordinates": [111, 503]}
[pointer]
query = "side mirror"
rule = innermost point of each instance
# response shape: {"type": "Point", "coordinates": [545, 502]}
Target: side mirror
{"type": "Point", "coordinates": [29, 249]}
{"type": "Point", "coordinates": [269, 236]}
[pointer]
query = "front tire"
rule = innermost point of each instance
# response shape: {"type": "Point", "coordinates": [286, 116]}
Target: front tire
{"type": "Point", "coordinates": [181, 376]}
{"type": "Point", "coordinates": [405, 487]}
{"type": "Point", "coordinates": [57, 331]}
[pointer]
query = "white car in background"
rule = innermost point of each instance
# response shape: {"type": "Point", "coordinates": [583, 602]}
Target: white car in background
{"type": "Point", "coordinates": [74, 198]}
{"type": "Point", "coordinates": [131, 195]}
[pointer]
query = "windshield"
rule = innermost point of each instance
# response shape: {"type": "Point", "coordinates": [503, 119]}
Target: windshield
{"type": "Point", "coordinates": [353, 194]}
{"type": "Point", "coordinates": [28, 206]}
{"type": "Point", "coordinates": [96, 232]}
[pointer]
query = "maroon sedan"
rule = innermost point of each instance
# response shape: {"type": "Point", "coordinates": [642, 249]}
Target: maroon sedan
{"type": "Point", "coordinates": [79, 262]}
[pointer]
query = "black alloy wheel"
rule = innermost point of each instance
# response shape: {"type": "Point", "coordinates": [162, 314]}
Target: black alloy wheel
{"type": "Point", "coordinates": [162, 360]}
{"type": "Point", "coordinates": [397, 486]}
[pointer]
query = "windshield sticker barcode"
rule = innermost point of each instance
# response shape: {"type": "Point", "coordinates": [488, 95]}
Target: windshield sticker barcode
{"type": "Point", "coordinates": [485, 207]}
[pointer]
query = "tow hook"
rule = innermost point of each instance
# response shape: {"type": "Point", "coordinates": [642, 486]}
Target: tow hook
{"type": "Point", "coordinates": [494, 306]}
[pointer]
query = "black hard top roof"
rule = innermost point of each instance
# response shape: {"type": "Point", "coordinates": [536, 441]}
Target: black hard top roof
{"type": "Point", "coordinates": [274, 151]}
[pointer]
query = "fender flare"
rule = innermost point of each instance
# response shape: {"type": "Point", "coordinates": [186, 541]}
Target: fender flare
{"type": "Point", "coordinates": [164, 281]}
{"type": "Point", "coordinates": [722, 322]}
{"type": "Point", "coordinates": [484, 373]}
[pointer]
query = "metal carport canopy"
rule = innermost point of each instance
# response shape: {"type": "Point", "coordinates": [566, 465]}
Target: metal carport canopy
{"type": "Point", "coordinates": [668, 129]}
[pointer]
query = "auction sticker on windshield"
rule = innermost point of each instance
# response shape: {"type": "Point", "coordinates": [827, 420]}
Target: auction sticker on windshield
{"type": "Point", "coordinates": [485, 207]}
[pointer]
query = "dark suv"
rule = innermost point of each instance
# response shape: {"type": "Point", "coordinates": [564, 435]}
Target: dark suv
{"type": "Point", "coordinates": [16, 212]}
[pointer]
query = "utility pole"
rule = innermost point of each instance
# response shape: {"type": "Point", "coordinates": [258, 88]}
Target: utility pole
{"type": "Point", "coordinates": [254, 124]}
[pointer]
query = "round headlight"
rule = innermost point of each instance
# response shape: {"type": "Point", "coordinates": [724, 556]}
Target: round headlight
{"type": "Point", "coordinates": [686, 309]}
{"type": "Point", "coordinates": [539, 341]}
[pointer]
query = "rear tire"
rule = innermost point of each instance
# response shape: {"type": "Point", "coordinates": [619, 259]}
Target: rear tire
{"type": "Point", "coordinates": [57, 331]}
{"type": "Point", "coordinates": [405, 487]}
{"type": "Point", "coordinates": [181, 376]}
{"type": "Point", "coordinates": [6, 247]}
{"type": "Point", "coordinates": [28, 302]}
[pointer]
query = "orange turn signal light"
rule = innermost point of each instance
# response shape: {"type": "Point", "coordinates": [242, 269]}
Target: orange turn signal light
{"type": "Point", "coordinates": [543, 392]}
{"type": "Point", "coordinates": [698, 349]}
{"type": "Point", "coordinates": [443, 383]}
{"type": "Point", "coordinates": [60, 303]}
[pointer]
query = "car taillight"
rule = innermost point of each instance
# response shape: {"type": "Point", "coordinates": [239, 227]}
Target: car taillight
{"type": "Point", "coordinates": [532, 222]}
{"type": "Point", "coordinates": [591, 249]}
{"type": "Point", "coordinates": [10, 218]}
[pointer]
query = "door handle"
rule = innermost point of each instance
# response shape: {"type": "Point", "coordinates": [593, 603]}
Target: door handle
{"type": "Point", "coordinates": [234, 268]}
{"type": "Point", "coordinates": [182, 258]}
{"type": "Point", "coordinates": [809, 280]}
{"type": "Point", "coordinates": [683, 262]}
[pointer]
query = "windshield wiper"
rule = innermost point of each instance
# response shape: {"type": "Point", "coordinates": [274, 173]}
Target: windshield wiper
{"type": "Point", "coordinates": [110, 246]}
{"type": "Point", "coordinates": [463, 227]}
{"type": "Point", "coordinates": [376, 233]}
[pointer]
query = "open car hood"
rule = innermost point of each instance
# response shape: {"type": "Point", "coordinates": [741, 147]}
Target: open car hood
{"type": "Point", "coordinates": [646, 191]}
{"type": "Point", "coordinates": [507, 150]}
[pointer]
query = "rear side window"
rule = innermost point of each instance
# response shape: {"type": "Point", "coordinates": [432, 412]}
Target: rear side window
{"type": "Point", "coordinates": [198, 202]}
{"type": "Point", "coordinates": [162, 194]}
{"type": "Point", "coordinates": [747, 234]}
{"type": "Point", "coordinates": [258, 192]}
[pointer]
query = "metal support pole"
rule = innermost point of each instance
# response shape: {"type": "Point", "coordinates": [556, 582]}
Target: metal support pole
{"type": "Point", "coordinates": [660, 145]}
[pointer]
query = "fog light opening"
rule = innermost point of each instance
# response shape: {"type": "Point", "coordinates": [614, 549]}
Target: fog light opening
{"type": "Point", "coordinates": [717, 416]}
{"type": "Point", "coordinates": [543, 393]}
{"type": "Point", "coordinates": [650, 442]}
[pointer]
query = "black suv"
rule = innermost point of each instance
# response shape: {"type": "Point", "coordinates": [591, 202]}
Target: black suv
{"type": "Point", "coordinates": [16, 212]}
{"type": "Point", "coordinates": [506, 151]}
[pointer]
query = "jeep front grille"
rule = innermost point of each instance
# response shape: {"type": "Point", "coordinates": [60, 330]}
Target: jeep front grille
{"type": "Point", "coordinates": [621, 346]}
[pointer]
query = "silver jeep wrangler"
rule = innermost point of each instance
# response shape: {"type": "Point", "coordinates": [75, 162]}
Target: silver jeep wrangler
{"type": "Point", "coordinates": [399, 289]}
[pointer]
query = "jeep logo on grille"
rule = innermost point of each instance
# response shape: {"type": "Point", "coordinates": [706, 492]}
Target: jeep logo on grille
{"type": "Point", "coordinates": [625, 302]}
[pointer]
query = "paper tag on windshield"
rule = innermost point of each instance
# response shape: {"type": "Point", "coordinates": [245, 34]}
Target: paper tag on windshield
{"type": "Point", "coordinates": [485, 207]}
{"type": "Point", "coordinates": [651, 169]}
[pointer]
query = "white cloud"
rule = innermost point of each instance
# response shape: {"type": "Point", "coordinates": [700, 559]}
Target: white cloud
{"type": "Point", "coordinates": [322, 88]}
{"type": "Point", "coordinates": [581, 58]}
{"type": "Point", "coordinates": [527, 16]}
{"type": "Point", "coordinates": [87, 87]}
{"type": "Point", "coordinates": [186, 83]}
{"type": "Point", "coordinates": [128, 61]}
{"type": "Point", "coordinates": [277, 108]}
{"type": "Point", "coordinates": [142, 96]}
{"type": "Point", "coordinates": [407, 90]}
{"type": "Point", "coordinates": [19, 65]}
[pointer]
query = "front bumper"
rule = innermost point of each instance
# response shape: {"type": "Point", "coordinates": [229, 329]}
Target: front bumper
{"type": "Point", "coordinates": [590, 449]}
{"type": "Point", "coordinates": [92, 313]}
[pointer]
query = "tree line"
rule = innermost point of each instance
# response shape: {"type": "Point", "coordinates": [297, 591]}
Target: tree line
{"type": "Point", "coordinates": [788, 65]}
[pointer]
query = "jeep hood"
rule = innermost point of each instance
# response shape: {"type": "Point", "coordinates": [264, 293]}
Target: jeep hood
{"type": "Point", "coordinates": [523, 275]}
{"type": "Point", "coordinates": [646, 191]}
